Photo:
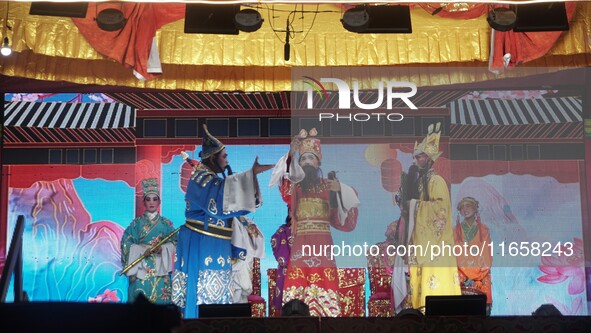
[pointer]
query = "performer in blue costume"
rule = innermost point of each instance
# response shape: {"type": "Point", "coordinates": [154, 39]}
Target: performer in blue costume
{"type": "Point", "coordinates": [151, 276]}
{"type": "Point", "coordinates": [203, 269]}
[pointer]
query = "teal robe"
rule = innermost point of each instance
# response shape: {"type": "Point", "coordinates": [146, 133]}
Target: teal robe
{"type": "Point", "coordinates": [142, 230]}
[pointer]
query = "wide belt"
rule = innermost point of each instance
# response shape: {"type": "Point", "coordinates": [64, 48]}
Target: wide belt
{"type": "Point", "coordinates": [312, 227]}
{"type": "Point", "coordinates": [212, 230]}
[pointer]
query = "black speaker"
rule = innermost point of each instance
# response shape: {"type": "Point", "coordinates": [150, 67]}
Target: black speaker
{"type": "Point", "coordinates": [549, 16]}
{"type": "Point", "coordinates": [89, 317]}
{"type": "Point", "coordinates": [380, 20]}
{"type": "Point", "coordinates": [456, 305]}
{"type": "Point", "coordinates": [211, 19]}
{"type": "Point", "coordinates": [224, 310]}
{"type": "Point", "coordinates": [70, 9]}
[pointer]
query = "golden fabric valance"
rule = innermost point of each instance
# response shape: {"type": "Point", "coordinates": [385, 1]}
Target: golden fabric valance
{"type": "Point", "coordinates": [254, 78]}
{"type": "Point", "coordinates": [51, 48]}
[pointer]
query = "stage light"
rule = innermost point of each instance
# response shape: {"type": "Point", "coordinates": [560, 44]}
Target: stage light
{"type": "Point", "coordinates": [501, 19]}
{"type": "Point", "coordinates": [110, 19]}
{"type": "Point", "coordinates": [378, 19]}
{"type": "Point", "coordinates": [248, 20]}
{"type": "Point", "coordinates": [356, 19]}
{"type": "Point", "coordinates": [6, 50]}
{"type": "Point", "coordinates": [541, 17]}
{"type": "Point", "coordinates": [71, 9]}
{"type": "Point", "coordinates": [211, 19]}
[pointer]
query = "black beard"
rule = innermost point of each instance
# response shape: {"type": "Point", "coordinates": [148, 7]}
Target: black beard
{"type": "Point", "coordinates": [311, 177]}
{"type": "Point", "coordinates": [213, 166]}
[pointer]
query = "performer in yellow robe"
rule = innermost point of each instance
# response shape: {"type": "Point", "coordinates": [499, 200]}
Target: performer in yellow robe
{"type": "Point", "coordinates": [431, 224]}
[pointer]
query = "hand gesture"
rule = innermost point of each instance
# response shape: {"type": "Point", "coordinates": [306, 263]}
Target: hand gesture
{"type": "Point", "coordinates": [258, 168]}
{"type": "Point", "coordinates": [150, 251]}
{"type": "Point", "coordinates": [295, 144]}
{"type": "Point", "coordinates": [334, 185]}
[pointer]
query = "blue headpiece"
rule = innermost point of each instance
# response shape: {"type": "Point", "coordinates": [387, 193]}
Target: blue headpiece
{"type": "Point", "coordinates": [210, 145]}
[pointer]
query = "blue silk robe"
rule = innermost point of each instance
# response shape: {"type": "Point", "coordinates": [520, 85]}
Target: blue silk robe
{"type": "Point", "coordinates": [203, 267]}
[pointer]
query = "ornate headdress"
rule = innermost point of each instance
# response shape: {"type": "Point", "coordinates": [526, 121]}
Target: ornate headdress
{"type": "Point", "coordinates": [468, 200]}
{"type": "Point", "coordinates": [210, 145]}
{"type": "Point", "coordinates": [310, 144]}
{"type": "Point", "coordinates": [150, 186]}
{"type": "Point", "coordinates": [430, 144]}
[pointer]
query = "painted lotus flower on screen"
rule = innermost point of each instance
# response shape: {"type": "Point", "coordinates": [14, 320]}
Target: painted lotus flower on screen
{"type": "Point", "coordinates": [106, 297]}
{"type": "Point", "coordinates": [558, 269]}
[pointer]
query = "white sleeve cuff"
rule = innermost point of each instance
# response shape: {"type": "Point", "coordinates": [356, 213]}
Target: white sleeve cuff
{"type": "Point", "coordinates": [136, 251]}
{"type": "Point", "coordinates": [240, 192]}
{"type": "Point", "coordinates": [350, 200]}
{"type": "Point", "coordinates": [296, 173]}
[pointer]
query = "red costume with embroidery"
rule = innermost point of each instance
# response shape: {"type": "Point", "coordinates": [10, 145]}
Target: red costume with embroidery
{"type": "Point", "coordinates": [311, 274]}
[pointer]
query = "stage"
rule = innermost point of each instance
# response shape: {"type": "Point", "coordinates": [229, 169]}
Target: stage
{"type": "Point", "coordinates": [89, 317]}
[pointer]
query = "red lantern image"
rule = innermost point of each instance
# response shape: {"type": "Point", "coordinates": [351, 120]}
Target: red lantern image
{"type": "Point", "coordinates": [391, 170]}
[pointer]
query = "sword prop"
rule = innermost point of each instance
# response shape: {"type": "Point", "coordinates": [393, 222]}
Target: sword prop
{"type": "Point", "coordinates": [138, 260]}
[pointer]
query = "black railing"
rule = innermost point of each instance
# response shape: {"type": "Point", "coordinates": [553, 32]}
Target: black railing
{"type": "Point", "coordinates": [14, 265]}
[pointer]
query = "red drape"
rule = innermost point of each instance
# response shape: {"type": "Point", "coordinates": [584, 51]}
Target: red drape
{"type": "Point", "coordinates": [129, 46]}
{"type": "Point", "coordinates": [525, 46]}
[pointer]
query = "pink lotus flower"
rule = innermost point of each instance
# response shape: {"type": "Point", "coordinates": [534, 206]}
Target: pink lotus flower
{"type": "Point", "coordinates": [560, 268]}
{"type": "Point", "coordinates": [106, 297]}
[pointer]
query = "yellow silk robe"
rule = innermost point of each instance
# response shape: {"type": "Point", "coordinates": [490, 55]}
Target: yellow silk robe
{"type": "Point", "coordinates": [433, 274]}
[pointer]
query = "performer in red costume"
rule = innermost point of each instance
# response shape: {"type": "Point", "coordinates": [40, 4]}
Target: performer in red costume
{"type": "Point", "coordinates": [318, 203]}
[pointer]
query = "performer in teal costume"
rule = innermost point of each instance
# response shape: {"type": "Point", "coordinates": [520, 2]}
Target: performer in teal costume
{"type": "Point", "coordinates": [203, 269]}
{"type": "Point", "coordinates": [151, 276]}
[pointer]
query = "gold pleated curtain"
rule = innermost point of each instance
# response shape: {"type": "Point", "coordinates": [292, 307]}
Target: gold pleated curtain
{"type": "Point", "coordinates": [51, 48]}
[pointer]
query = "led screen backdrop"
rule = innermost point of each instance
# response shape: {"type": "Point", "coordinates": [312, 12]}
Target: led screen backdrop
{"type": "Point", "coordinates": [72, 236]}
{"type": "Point", "coordinates": [529, 193]}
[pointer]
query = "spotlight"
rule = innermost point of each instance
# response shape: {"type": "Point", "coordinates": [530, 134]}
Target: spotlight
{"type": "Point", "coordinates": [501, 19]}
{"type": "Point", "coordinates": [211, 19]}
{"type": "Point", "coordinates": [535, 17]}
{"type": "Point", "coordinates": [6, 50]}
{"type": "Point", "coordinates": [110, 19]}
{"type": "Point", "coordinates": [356, 19]}
{"type": "Point", "coordinates": [71, 9]}
{"type": "Point", "coordinates": [378, 20]}
{"type": "Point", "coordinates": [248, 20]}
